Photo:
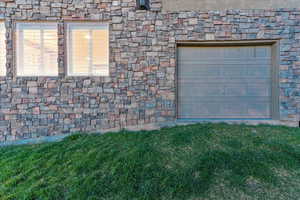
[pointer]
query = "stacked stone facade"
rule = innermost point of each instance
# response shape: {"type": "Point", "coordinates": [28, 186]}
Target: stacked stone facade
{"type": "Point", "coordinates": [141, 88]}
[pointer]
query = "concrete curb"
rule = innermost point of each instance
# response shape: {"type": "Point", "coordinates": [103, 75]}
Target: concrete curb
{"type": "Point", "coordinates": [57, 138]}
{"type": "Point", "coordinates": [44, 139]}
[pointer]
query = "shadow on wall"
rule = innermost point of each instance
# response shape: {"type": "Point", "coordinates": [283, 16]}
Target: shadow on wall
{"type": "Point", "coordinates": [180, 5]}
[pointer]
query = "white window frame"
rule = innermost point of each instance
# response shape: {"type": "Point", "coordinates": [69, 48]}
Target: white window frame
{"type": "Point", "coordinates": [33, 26]}
{"type": "Point", "coordinates": [88, 26]}
{"type": "Point", "coordinates": [2, 24]}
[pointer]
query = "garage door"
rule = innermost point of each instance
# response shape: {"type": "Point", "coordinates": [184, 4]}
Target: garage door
{"type": "Point", "coordinates": [224, 82]}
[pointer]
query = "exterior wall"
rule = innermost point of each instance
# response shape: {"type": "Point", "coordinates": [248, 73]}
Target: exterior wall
{"type": "Point", "coordinates": [141, 87]}
{"type": "Point", "coordinates": [181, 5]}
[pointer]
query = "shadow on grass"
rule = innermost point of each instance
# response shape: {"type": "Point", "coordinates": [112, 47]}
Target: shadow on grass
{"type": "Point", "coordinates": [143, 175]}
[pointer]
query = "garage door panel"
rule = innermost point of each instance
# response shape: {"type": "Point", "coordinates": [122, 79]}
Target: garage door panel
{"type": "Point", "coordinates": [217, 99]}
{"type": "Point", "coordinates": [259, 109]}
{"type": "Point", "coordinates": [234, 84]}
{"type": "Point", "coordinates": [263, 51]}
{"type": "Point", "coordinates": [195, 52]}
{"type": "Point", "coordinates": [234, 109]}
{"type": "Point", "coordinates": [215, 89]}
{"type": "Point", "coordinates": [199, 80]}
{"type": "Point", "coordinates": [205, 109]}
{"type": "Point", "coordinates": [209, 90]}
{"type": "Point", "coordinates": [238, 72]}
{"type": "Point", "coordinates": [237, 52]}
{"type": "Point", "coordinates": [228, 70]}
{"type": "Point", "coordinates": [228, 52]}
{"type": "Point", "coordinates": [190, 70]}
{"type": "Point", "coordinates": [259, 71]}
{"type": "Point", "coordinates": [225, 62]}
{"type": "Point", "coordinates": [226, 110]}
{"type": "Point", "coordinates": [236, 90]}
{"type": "Point", "coordinates": [259, 90]}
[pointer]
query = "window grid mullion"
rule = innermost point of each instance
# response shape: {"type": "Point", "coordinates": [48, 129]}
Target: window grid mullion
{"type": "Point", "coordinates": [21, 51]}
{"type": "Point", "coordinates": [4, 56]}
{"type": "Point", "coordinates": [70, 52]}
{"type": "Point", "coordinates": [42, 66]}
{"type": "Point", "coordinates": [90, 52]}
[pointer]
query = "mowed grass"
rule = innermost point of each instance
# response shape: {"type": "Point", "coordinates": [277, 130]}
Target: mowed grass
{"type": "Point", "coordinates": [204, 161]}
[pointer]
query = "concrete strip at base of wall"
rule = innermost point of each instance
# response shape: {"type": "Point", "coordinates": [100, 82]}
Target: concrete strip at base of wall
{"type": "Point", "coordinates": [57, 138]}
{"type": "Point", "coordinates": [239, 122]}
{"type": "Point", "coordinates": [204, 5]}
{"type": "Point", "coordinates": [150, 127]}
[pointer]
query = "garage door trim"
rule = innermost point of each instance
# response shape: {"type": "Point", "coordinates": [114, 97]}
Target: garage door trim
{"type": "Point", "coordinates": [275, 51]}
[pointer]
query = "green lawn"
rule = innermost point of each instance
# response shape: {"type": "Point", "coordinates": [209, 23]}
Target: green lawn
{"type": "Point", "coordinates": [208, 161]}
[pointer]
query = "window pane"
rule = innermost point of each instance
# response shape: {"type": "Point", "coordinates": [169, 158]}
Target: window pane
{"type": "Point", "coordinates": [88, 49]}
{"type": "Point", "coordinates": [37, 49]}
{"type": "Point", "coordinates": [31, 52]}
{"type": "Point", "coordinates": [2, 50]}
{"type": "Point", "coordinates": [80, 52]}
{"type": "Point", "coordinates": [50, 52]}
{"type": "Point", "coordinates": [100, 52]}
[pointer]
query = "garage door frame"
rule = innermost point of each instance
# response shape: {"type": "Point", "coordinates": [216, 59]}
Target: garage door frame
{"type": "Point", "coordinates": [275, 50]}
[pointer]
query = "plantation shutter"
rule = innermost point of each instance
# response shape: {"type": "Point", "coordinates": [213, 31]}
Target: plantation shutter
{"type": "Point", "coordinates": [88, 49]}
{"type": "Point", "coordinates": [37, 49]}
{"type": "Point", "coordinates": [2, 50]}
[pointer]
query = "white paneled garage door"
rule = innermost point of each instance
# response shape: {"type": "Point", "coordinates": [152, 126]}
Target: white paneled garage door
{"type": "Point", "coordinates": [225, 82]}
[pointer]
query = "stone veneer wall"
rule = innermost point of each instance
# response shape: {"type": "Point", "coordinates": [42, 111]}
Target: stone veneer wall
{"type": "Point", "coordinates": [141, 87]}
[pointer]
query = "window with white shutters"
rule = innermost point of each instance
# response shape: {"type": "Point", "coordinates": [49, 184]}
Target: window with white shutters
{"type": "Point", "coordinates": [2, 50]}
{"type": "Point", "coordinates": [88, 49]}
{"type": "Point", "coordinates": [37, 49]}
